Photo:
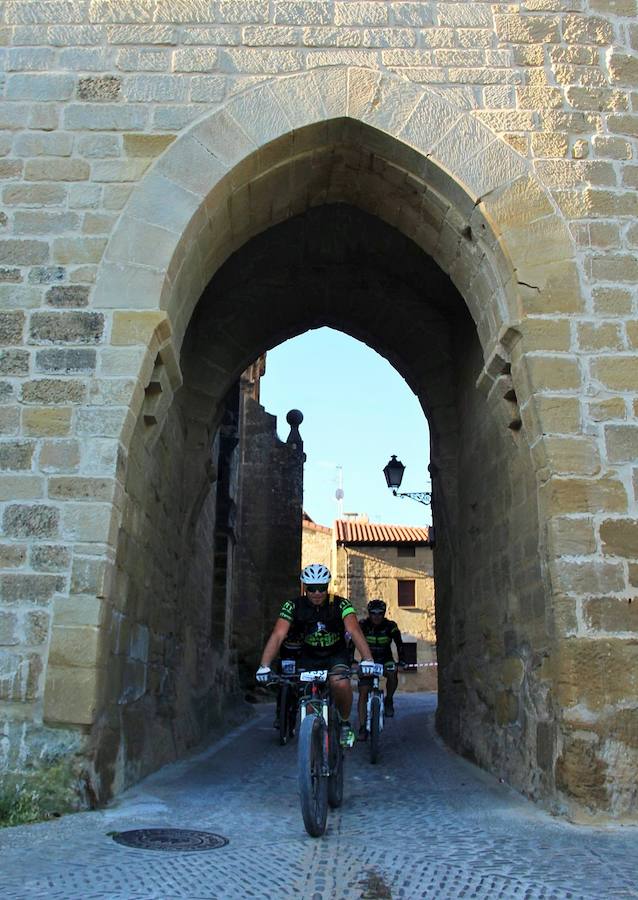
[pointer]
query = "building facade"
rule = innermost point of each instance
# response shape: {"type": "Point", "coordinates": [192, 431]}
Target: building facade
{"type": "Point", "coordinates": [187, 183]}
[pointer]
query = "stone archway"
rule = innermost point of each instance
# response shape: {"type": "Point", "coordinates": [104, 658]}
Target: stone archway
{"type": "Point", "coordinates": [468, 201]}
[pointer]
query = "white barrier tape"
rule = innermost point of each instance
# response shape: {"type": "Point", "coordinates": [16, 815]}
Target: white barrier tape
{"type": "Point", "coordinates": [419, 666]}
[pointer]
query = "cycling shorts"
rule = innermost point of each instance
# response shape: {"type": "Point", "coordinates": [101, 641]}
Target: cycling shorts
{"type": "Point", "coordinates": [336, 663]}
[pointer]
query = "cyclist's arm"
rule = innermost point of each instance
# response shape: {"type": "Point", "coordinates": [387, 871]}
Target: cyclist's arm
{"type": "Point", "coordinates": [398, 642]}
{"type": "Point", "coordinates": [274, 642]}
{"type": "Point", "coordinates": [358, 638]}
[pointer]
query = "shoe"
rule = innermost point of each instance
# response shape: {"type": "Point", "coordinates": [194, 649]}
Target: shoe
{"type": "Point", "coordinates": [347, 737]}
{"type": "Point", "coordinates": [388, 709]}
{"type": "Point", "coordinates": [363, 734]}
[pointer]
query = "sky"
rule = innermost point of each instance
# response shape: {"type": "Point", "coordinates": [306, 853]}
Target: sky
{"type": "Point", "coordinates": [358, 411]}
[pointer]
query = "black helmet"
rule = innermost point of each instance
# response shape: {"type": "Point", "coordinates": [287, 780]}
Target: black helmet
{"type": "Point", "coordinates": [377, 606]}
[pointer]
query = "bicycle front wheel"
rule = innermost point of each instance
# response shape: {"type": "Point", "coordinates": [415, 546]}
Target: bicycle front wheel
{"type": "Point", "coordinates": [335, 782]}
{"type": "Point", "coordinates": [375, 727]}
{"type": "Point", "coordinates": [313, 784]}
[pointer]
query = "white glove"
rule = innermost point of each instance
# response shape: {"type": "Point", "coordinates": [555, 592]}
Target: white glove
{"type": "Point", "coordinates": [366, 667]}
{"type": "Point", "coordinates": [263, 674]}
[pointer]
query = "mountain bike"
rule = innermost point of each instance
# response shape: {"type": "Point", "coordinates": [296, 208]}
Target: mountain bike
{"type": "Point", "coordinates": [374, 710]}
{"type": "Point", "coordinates": [320, 755]}
{"type": "Point", "coordinates": [287, 700]}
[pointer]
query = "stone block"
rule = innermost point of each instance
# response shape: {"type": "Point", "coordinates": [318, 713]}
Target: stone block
{"type": "Point", "coordinates": [66, 328]}
{"type": "Point", "coordinates": [107, 117]}
{"type": "Point", "coordinates": [48, 391]}
{"type": "Point", "coordinates": [37, 222]}
{"type": "Point", "coordinates": [12, 556]}
{"type": "Point", "coordinates": [587, 577]}
{"type": "Point", "coordinates": [67, 295]}
{"type": "Point", "coordinates": [60, 456]}
{"type": "Point", "coordinates": [34, 520]}
{"type": "Point", "coordinates": [36, 628]}
{"type": "Point", "coordinates": [19, 588]}
{"type": "Point", "coordinates": [617, 373]}
{"type": "Point", "coordinates": [208, 88]}
{"type": "Point", "coordinates": [611, 614]}
{"type": "Point", "coordinates": [563, 496]}
{"type": "Point", "coordinates": [46, 274]}
{"type": "Point", "coordinates": [9, 635]}
{"type": "Point", "coordinates": [145, 59]}
{"type": "Point", "coordinates": [612, 301]}
{"type": "Point", "coordinates": [74, 646]}
{"type": "Point", "coordinates": [146, 145]}
{"type": "Point", "coordinates": [43, 144]}
{"type": "Point", "coordinates": [77, 610]}
{"type": "Point", "coordinates": [56, 169]}
{"type": "Point", "coordinates": [40, 88]}
{"type": "Point", "coordinates": [36, 195]}
{"type": "Point", "coordinates": [71, 695]}
{"type": "Point", "coordinates": [46, 421]}
{"type": "Point", "coordinates": [50, 557]}
{"type": "Point", "coordinates": [138, 327]}
{"type": "Point", "coordinates": [79, 251]}
{"type": "Point", "coordinates": [604, 336]}
{"type": "Point", "coordinates": [89, 522]}
{"type": "Point", "coordinates": [19, 676]}
{"type": "Point", "coordinates": [16, 455]}
{"type": "Point", "coordinates": [302, 12]}
{"type": "Point", "coordinates": [99, 89]}
{"type": "Point", "coordinates": [571, 536]}
{"type": "Point", "coordinates": [596, 673]}
{"type": "Point", "coordinates": [570, 455]}
{"type": "Point", "coordinates": [23, 252]}
{"type": "Point", "coordinates": [554, 373]}
{"type": "Point", "coordinates": [9, 420]}
{"type": "Point", "coordinates": [607, 410]}
{"type": "Point", "coordinates": [73, 487]}
{"type": "Point", "coordinates": [61, 361]}
{"type": "Point", "coordinates": [11, 327]}
{"type": "Point", "coordinates": [580, 772]}
{"type": "Point", "coordinates": [195, 59]}
{"type": "Point", "coordinates": [619, 537]}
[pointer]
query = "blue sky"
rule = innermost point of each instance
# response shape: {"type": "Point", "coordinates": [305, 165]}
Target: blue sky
{"type": "Point", "coordinates": [357, 412]}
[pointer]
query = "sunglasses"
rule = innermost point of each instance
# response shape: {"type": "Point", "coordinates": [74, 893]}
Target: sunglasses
{"type": "Point", "coordinates": [316, 588]}
{"type": "Point", "coordinates": [376, 613]}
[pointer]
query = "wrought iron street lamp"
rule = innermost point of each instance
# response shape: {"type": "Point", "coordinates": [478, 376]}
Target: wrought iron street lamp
{"type": "Point", "coordinates": [393, 472]}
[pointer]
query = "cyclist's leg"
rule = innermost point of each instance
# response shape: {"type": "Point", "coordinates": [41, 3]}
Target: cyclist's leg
{"type": "Point", "coordinates": [391, 682]}
{"type": "Point", "coordinates": [341, 688]}
{"type": "Point", "coordinates": [364, 690]}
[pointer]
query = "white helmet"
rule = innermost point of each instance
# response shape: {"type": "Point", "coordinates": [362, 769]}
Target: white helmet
{"type": "Point", "coordinates": [316, 573]}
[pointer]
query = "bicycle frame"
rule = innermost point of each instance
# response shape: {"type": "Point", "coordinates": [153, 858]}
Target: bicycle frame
{"type": "Point", "coordinates": [316, 700]}
{"type": "Point", "coordinates": [375, 689]}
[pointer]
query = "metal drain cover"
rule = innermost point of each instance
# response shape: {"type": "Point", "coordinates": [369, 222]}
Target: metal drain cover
{"type": "Point", "coordinates": [173, 840]}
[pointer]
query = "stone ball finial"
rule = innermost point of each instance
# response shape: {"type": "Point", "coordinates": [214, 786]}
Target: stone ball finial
{"type": "Point", "coordinates": [294, 417]}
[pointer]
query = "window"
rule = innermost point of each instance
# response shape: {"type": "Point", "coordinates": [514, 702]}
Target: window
{"type": "Point", "coordinates": [409, 652]}
{"type": "Point", "coordinates": [406, 550]}
{"type": "Point", "coordinates": [406, 592]}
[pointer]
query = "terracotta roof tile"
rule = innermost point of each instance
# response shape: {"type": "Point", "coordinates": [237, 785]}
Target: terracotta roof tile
{"type": "Point", "coordinates": [348, 532]}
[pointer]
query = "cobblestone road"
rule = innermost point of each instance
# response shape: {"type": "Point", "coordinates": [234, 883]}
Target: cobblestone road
{"type": "Point", "coordinates": [421, 824]}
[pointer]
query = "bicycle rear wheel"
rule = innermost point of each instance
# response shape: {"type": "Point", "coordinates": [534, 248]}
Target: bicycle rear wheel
{"type": "Point", "coordinates": [375, 727]}
{"type": "Point", "coordinates": [335, 782]}
{"type": "Point", "coordinates": [313, 785]}
{"type": "Point", "coordinates": [283, 713]}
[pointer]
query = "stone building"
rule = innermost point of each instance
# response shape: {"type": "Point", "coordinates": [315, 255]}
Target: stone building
{"type": "Point", "coordinates": [187, 183]}
{"type": "Point", "coordinates": [395, 563]}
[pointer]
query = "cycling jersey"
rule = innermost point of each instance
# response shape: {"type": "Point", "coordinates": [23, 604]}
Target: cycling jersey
{"type": "Point", "coordinates": [380, 637]}
{"type": "Point", "coordinates": [321, 626]}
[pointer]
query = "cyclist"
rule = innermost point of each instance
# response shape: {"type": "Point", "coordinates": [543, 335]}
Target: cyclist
{"type": "Point", "coordinates": [379, 633]}
{"type": "Point", "coordinates": [323, 619]}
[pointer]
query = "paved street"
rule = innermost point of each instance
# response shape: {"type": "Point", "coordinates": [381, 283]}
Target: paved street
{"type": "Point", "coordinates": [421, 824]}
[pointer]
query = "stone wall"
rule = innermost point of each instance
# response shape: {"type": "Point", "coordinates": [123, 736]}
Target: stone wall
{"type": "Point", "coordinates": [316, 544]}
{"type": "Point", "coordinates": [144, 143]}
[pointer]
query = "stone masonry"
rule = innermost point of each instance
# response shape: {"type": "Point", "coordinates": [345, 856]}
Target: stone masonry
{"type": "Point", "coordinates": [463, 176]}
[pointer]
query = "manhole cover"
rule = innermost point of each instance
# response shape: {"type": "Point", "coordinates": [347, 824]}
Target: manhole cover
{"type": "Point", "coordinates": [171, 839]}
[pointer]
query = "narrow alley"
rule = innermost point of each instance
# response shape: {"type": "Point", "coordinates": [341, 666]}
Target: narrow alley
{"type": "Point", "coordinates": [423, 823]}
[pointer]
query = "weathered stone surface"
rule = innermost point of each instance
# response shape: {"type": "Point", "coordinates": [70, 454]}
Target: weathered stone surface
{"type": "Point", "coordinates": [612, 614]}
{"type": "Point", "coordinates": [99, 88]}
{"type": "Point", "coordinates": [15, 455]}
{"type": "Point", "coordinates": [37, 521]}
{"type": "Point", "coordinates": [620, 537]}
{"type": "Point", "coordinates": [50, 557]}
{"type": "Point", "coordinates": [68, 327]}
{"type": "Point", "coordinates": [53, 390]}
{"type": "Point", "coordinates": [67, 295]}
{"type": "Point", "coordinates": [62, 361]}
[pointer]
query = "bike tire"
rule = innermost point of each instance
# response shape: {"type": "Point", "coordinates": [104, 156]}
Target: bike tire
{"type": "Point", "coordinates": [283, 712]}
{"type": "Point", "coordinates": [375, 728]}
{"type": "Point", "coordinates": [313, 786]}
{"type": "Point", "coordinates": [335, 782]}
{"type": "Point", "coordinates": [292, 711]}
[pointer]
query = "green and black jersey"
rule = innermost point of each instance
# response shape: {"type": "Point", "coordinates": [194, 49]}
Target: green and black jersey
{"type": "Point", "coordinates": [321, 626]}
{"type": "Point", "coordinates": [380, 637]}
